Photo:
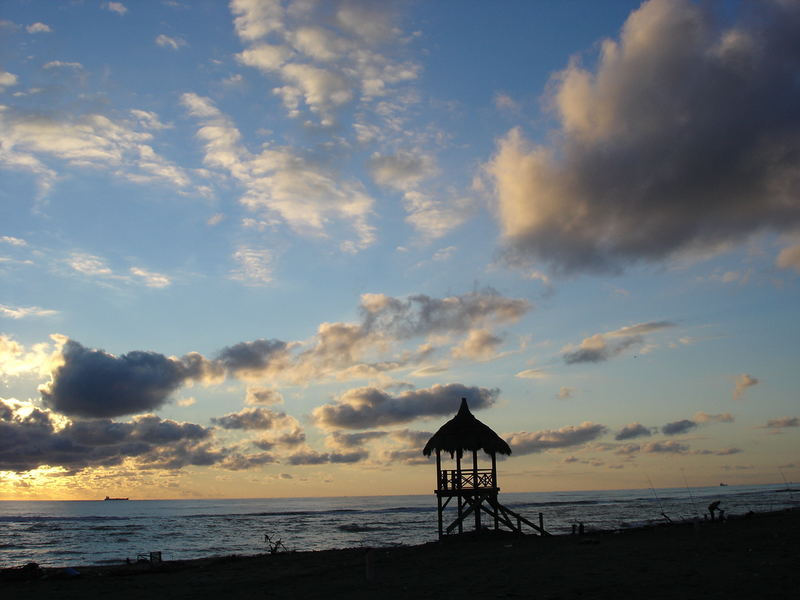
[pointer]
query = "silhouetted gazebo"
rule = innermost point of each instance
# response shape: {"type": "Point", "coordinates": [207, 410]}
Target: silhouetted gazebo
{"type": "Point", "coordinates": [475, 489]}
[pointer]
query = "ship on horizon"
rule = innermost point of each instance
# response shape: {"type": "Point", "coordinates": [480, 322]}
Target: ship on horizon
{"type": "Point", "coordinates": [107, 498]}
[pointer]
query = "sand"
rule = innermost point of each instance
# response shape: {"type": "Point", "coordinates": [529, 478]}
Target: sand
{"type": "Point", "coordinates": [755, 557]}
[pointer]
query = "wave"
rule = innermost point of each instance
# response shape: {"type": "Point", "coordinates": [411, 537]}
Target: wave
{"type": "Point", "coordinates": [356, 528]}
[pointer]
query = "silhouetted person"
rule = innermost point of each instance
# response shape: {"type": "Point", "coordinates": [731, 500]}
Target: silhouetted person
{"type": "Point", "coordinates": [713, 507]}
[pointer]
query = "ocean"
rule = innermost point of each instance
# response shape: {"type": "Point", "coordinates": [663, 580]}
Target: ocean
{"type": "Point", "coordinates": [64, 533]}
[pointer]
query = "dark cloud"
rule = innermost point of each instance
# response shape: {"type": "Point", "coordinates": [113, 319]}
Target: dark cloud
{"type": "Point", "coordinates": [631, 431]}
{"type": "Point", "coordinates": [256, 418]}
{"type": "Point", "coordinates": [253, 358]}
{"type": "Point", "coordinates": [95, 384]}
{"type": "Point", "coordinates": [537, 441]}
{"type": "Point", "coordinates": [33, 437]}
{"type": "Point", "coordinates": [237, 461]}
{"type": "Point", "coordinates": [782, 422]}
{"type": "Point", "coordinates": [720, 452]}
{"type": "Point", "coordinates": [678, 427]}
{"type": "Point", "coordinates": [685, 136]}
{"type": "Point", "coordinates": [366, 407]}
{"type": "Point", "coordinates": [312, 457]}
{"type": "Point", "coordinates": [338, 439]}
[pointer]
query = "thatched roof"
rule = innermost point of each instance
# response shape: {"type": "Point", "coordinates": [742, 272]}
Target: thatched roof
{"type": "Point", "coordinates": [465, 432]}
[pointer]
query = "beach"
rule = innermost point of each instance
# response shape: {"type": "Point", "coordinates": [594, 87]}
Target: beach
{"type": "Point", "coordinates": [746, 557]}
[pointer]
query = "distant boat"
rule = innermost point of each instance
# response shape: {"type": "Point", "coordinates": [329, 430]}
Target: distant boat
{"type": "Point", "coordinates": [721, 485]}
{"type": "Point", "coordinates": [114, 499]}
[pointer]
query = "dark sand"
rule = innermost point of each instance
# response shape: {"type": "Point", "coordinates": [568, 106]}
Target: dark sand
{"type": "Point", "coordinates": [756, 557]}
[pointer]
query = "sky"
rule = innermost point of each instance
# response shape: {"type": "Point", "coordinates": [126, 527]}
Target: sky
{"type": "Point", "coordinates": [263, 248]}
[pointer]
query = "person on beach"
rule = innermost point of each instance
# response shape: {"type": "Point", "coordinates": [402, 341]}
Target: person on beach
{"type": "Point", "coordinates": [713, 507]}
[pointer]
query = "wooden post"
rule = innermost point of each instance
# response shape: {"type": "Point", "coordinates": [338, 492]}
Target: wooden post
{"type": "Point", "coordinates": [541, 523]}
{"type": "Point", "coordinates": [494, 492]}
{"type": "Point", "coordinates": [460, 493]}
{"type": "Point", "coordinates": [478, 499]}
{"type": "Point", "coordinates": [438, 489]}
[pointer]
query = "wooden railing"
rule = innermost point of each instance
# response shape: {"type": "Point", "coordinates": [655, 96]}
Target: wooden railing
{"type": "Point", "coordinates": [452, 479]}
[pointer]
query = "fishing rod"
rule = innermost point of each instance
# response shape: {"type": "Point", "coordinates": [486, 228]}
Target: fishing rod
{"type": "Point", "coordinates": [688, 489]}
{"type": "Point", "coordinates": [660, 505]}
{"type": "Point", "coordinates": [788, 489]}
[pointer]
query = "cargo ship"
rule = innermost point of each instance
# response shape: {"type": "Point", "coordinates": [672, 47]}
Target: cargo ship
{"type": "Point", "coordinates": [107, 498]}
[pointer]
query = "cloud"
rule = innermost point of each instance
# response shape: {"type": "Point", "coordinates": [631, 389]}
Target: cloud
{"type": "Point", "coordinates": [547, 439]}
{"type": "Point", "coordinates": [366, 407]}
{"type": "Point", "coordinates": [564, 392]}
{"type": "Point", "coordinates": [59, 64]}
{"type": "Point", "coordinates": [151, 279]}
{"type": "Point", "coordinates": [280, 183]}
{"type": "Point", "coordinates": [240, 462]}
{"type": "Point", "coordinates": [348, 441]}
{"type": "Point", "coordinates": [632, 430]}
{"type": "Point", "coordinates": [702, 417]}
{"type": "Point", "coordinates": [7, 80]}
{"type": "Point", "coordinates": [782, 422]}
{"type": "Point", "coordinates": [423, 315]}
{"type": "Point", "coordinates": [668, 447]}
{"type": "Point", "coordinates": [20, 312]}
{"type": "Point", "coordinates": [678, 427]}
{"type": "Point", "coordinates": [40, 142]}
{"type": "Point", "coordinates": [480, 344]}
{"type": "Point", "coordinates": [255, 266]}
{"type": "Point", "coordinates": [31, 437]}
{"type": "Point", "coordinates": [39, 359]}
{"type": "Point", "coordinates": [741, 383]}
{"type": "Point", "coordinates": [641, 169]}
{"type": "Point", "coordinates": [165, 41]}
{"type": "Point", "coordinates": [117, 7]}
{"type": "Point", "coordinates": [312, 457]}
{"type": "Point", "coordinates": [95, 384]}
{"type": "Point", "coordinates": [789, 258]}
{"type": "Point", "coordinates": [532, 374]}
{"type": "Point", "coordinates": [262, 396]}
{"type": "Point", "coordinates": [255, 358]}
{"type": "Point", "coordinates": [38, 28]}
{"type": "Point", "coordinates": [256, 418]}
{"type": "Point", "coordinates": [601, 347]}
{"type": "Point", "coordinates": [325, 58]}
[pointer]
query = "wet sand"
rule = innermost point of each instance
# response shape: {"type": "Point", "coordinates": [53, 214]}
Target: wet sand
{"type": "Point", "coordinates": [756, 557]}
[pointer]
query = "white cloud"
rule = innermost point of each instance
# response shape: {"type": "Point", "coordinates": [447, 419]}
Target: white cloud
{"type": "Point", "coordinates": [20, 312]}
{"type": "Point", "coordinates": [38, 28]}
{"type": "Point", "coordinates": [151, 279]}
{"type": "Point", "coordinates": [532, 374]}
{"type": "Point", "coordinates": [40, 359]}
{"type": "Point", "coordinates": [117, 7]}
{"type": "Point", "coordinates": [323, 63]}
{"type": "Point", "coordinates": [13, 241]}
{"type": "Point", "coordinates": [255, 266]}
{"type": "Point", "coordinates": [165, 41]}
{"type": "Point", "coordinates": [60, 64]}
{"type": "Point", "coordinates": [279, 182]}
{"type": "Point", "coordinates": [31, 141]}
{"type": "Point", "coordinates": [7, 80]}
{"type": "Point", "coordinates": [89, 264]}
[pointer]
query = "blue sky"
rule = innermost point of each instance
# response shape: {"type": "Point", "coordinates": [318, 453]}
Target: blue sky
{"type": "Point", "coordinates": [262, 248]}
